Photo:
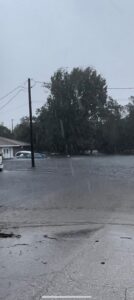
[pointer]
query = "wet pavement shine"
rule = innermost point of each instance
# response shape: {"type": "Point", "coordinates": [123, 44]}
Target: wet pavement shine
{"type": "Point", "coordinates": [67, 228]}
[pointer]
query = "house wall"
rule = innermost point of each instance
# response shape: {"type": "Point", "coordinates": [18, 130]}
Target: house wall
{"type": "Point", "coordinates": [7, 152]}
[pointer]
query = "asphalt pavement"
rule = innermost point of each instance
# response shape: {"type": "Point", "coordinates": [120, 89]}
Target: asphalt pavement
{"type": "Point", "coordinates": [67, 228]}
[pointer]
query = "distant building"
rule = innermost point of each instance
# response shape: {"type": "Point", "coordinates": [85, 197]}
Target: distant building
{"type": "Point", "coordinates": [9, 147]}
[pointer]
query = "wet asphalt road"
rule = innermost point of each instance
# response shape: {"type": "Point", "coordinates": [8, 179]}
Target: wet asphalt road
{"type": "Point", "coordinates": [75, 217]}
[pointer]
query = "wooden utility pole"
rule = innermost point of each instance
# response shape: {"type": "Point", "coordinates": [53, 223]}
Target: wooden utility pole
{"type": "Point", "coordinates": [31, 123]}
{"type": "Point", "coordinates": [12, 125]}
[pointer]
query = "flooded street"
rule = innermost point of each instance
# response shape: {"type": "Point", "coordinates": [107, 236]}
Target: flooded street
{"type": "Point", "coordinates": [68, 187]}
{"type": "Point", "coordinates": [72, 221]}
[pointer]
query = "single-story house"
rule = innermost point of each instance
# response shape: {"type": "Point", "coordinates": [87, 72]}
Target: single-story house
{"type": "Point", "coordinates": [9, 147]}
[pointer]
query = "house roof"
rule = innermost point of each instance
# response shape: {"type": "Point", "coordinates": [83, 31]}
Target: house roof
{"type": "Point", "coordinates": [5, 142]}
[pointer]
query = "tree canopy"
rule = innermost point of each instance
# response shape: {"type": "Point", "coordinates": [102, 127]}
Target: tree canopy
{"type": "Point", "coordinates": [5, 132]}
{"type": "Point", "coordinates": [75, 105]}
{"type": "Point", "coordinates": [79, 115]}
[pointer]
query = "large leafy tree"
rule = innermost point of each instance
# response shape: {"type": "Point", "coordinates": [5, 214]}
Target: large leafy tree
{"type": "Point", "coordinates": [74, 107]}
{"type": "Point", "coordinates": [78, 115]}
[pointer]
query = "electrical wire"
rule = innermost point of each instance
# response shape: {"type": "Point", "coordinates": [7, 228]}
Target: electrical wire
{"type": "Point", "coordinates": [12, 91]}
{"type": "Point", "coordinates": [48, 84]}
{"type": "Point", "coordinates": [10, 100]}
{"type": "Point", "coordinates": [120, 88]}
{"type": "Point", "coordinates": [19, 107]}
{"type": "Point", "coordinates": [37, 81]}
{"type": "Point", "coordinates": [25, 105]}
{"type": "Point", "coordinates": [43, 83]}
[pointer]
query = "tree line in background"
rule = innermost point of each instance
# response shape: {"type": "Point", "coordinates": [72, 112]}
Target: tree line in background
{"type": "Point", "coordinates": [78, 116]}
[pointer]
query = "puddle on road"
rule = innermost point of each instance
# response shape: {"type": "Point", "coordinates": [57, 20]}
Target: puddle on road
{"type": "Point", "coordinates": [126, 237]}
{"type": "Point", "coordinates": [4, 235]}
{"type": "Point", "coordinates": [77, 233]}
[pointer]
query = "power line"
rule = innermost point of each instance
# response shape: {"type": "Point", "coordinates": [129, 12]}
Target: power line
{"type": "Point", "coordinates": [37, 81]}
{"type": "Point", "coordinates": [48, 84]}
{"type": "Point", "coordinates": [44, 84]}
{"type": "Point", "coordinates": [25, 105]}
{"type": "Point", "coordinates": [120, 88]}
{"type": "Point", "coordinates": [12, 91]}
{"type": "Point", "coordinates": [16, 108]}
{"type": "Point", "coordinates": [11, 99]}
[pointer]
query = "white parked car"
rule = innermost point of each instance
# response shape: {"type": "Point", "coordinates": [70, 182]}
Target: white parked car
{"type": "Point", "coordinates": [23, 154]}
{"type": "Point", "coordinates": [1, 162]}
{"type": "Point", "coordinates": [27, 154]}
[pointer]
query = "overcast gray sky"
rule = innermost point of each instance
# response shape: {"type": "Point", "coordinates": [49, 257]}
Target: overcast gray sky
{"type": "Point", "coordinates": [40, 36]}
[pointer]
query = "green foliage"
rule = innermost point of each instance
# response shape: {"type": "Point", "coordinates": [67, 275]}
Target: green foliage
{"type": "Point", "coordinates": [76, 102]}
{"type": "Point", "coordinates": [79, 116]}
{"type": "Point", "coordinates": [5, 132]}
{"type": "Point", "coordinates": [21, 131]}
{"type": "Point", "coordinates": [109, 131]}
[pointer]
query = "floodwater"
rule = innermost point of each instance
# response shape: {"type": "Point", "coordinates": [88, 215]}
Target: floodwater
{"type": "Point", "coordinates": [66, 227]}
{"type": "Point", "coordinates": [103, 182]}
